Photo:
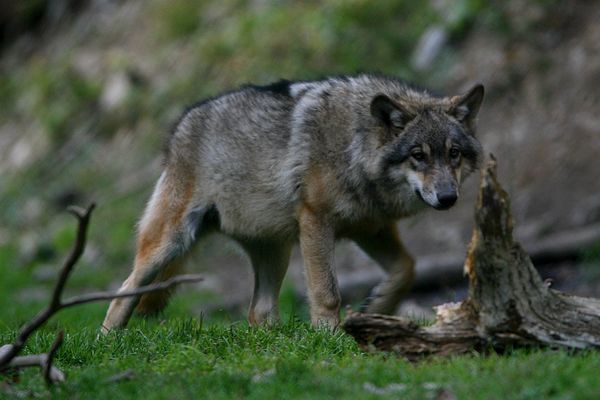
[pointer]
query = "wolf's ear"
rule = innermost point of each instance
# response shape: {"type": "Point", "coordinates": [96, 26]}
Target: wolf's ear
{"type": "Point", "coordinates": [465, 107]}
{"type": "Point", "coordinates": [389, 112]}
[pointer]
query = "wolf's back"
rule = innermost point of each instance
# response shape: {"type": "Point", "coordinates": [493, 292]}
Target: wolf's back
{"type": "Point", "coordinates": [235, 146]}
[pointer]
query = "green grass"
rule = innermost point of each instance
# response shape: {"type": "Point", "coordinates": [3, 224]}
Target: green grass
{"type": "Point", "coordinates": [184, 358]}
{"type": "Point", "coordinates": [220, 356]}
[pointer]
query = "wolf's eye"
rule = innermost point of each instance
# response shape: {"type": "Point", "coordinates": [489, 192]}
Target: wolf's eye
{"type": "Point", "coordinates": [454, 153]}
{"type": "Point", "coordinates": [418, 155]}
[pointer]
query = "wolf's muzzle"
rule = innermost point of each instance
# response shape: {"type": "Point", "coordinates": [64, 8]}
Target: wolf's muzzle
{"type": "Point", "coordinates": [446, 199]}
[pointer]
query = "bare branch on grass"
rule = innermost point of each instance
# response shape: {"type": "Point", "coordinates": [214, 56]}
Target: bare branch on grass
{"type": "Point", "coordinates": [47, 367]}
{"type": "Point", "coordinates": [9, 352]}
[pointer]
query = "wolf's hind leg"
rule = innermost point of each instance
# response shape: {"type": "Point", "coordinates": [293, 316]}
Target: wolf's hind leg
{"type": "Point", "coordinates": [158, 256]}
{"type": "Point", "coordinates": [269, 262]}
{"type": "Point", "coordinates": [153, 303]}
{"type": "Point", "coordinates": [385, 248]}
{"type": "Point", "coordinates": [163, 241]}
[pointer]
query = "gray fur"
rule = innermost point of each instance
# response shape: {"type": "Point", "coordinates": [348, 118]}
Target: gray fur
{"type": "Point", "coordinates": [251, 149]}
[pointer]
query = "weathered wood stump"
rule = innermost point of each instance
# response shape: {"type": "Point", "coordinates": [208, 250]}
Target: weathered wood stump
{"type": "Point", "coordinates": [508, 303]}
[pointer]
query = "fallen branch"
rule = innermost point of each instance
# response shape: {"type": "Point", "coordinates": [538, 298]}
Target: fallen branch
{"type": "Point", "coordinates": [9, 352]}
{"type": "Point", "coordinates": [508, 303]}
{"type": "Point", "coordinates": [121, 376]}
{"type": "Point", "coordinates": [51, 373]}
{"type": "Point", "coordinates": [48, 368]}
{"type": "Point", "coordinates": [83, 217]}
{"type": "Point", "coordinates": [98, 296]}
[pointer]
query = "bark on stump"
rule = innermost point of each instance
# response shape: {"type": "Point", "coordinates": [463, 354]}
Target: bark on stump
{"type": "Point", "coordinates": [508, 303]}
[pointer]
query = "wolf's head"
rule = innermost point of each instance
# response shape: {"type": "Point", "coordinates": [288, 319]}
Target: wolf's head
{"type": "Point", "coordinates": [428, 144]}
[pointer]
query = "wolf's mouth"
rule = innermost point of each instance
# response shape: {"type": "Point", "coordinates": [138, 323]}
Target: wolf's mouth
{"type": "Point", "coordinates": [420, 196]}
{"type": "Point", "coordinates": [439, 207]}
{"type": "Point", "coordinates": [442, 207]}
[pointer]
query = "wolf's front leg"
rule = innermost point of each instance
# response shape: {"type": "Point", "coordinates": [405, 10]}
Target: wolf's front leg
{"type": "Point", "coordinates": [385, 248]}
{"type": "Point", "coordinates": [317, 241]}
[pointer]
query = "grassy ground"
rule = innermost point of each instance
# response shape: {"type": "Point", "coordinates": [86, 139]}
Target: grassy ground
{"type": "Point", "coordinates": [183, 358]}
{"type": "Point", "coordinates": [221, 357]}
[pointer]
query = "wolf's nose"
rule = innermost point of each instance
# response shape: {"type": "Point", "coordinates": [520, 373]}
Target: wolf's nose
{"type": "Point", "coordinates": [447, 199]}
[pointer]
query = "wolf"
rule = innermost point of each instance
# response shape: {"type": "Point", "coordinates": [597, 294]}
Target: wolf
{"type": "Point", "coordinates": [309, 162]}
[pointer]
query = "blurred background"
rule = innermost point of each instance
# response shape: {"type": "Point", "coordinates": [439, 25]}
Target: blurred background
{"type": "Point", "coordinates": [89, 89]}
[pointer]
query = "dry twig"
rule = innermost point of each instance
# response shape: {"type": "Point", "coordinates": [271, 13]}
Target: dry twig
{"type": "Point", "coordinates": [8, 353]}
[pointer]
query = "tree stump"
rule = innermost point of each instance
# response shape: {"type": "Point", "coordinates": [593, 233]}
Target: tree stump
{"type": "Point", "coordinates": [508, 303]}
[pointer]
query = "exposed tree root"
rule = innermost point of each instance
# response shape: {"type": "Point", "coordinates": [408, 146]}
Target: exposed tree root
{"type": "Point", "coordinates": [508, 304]}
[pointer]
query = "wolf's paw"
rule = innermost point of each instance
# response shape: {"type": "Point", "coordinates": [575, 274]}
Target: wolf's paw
{"type": "Point", "coordinates": [329, 322]}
